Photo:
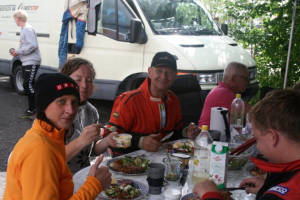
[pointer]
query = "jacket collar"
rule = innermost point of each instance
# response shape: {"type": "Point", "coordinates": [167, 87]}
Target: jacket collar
{"type": "Point", "coordinates": [276, 167]}
{"type": "Point", "coordinates": [146, 91]}
{"type": "Point", "coordinates": [48, 130]}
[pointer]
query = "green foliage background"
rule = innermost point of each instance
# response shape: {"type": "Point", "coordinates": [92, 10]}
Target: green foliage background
{"type": "Point", "coordinates": [264, 26]}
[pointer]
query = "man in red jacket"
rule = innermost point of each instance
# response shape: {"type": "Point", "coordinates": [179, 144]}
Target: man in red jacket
{"type": "Point", "coordinates": [276, 126]}
{"type": "Point", "coordinates": [152, 111]}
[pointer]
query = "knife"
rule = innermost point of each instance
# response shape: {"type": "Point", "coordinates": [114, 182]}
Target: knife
{"type": "Point", "coordinates": [234, 188]}
{"type": "Point", "coordinates": [167, 136]}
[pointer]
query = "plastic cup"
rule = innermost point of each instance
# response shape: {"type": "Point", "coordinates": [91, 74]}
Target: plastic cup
{"type": "Point", "coordinates": [123, 140]}
{"type": "Point", "coordinates": [173, 170]}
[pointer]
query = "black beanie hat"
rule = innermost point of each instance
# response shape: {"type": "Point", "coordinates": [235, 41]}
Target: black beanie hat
{"type": "Point", "coordinates": [51, 86]}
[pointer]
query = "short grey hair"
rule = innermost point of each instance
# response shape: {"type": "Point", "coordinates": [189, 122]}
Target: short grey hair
{"type": "Point", "coordinates": [234, 68]}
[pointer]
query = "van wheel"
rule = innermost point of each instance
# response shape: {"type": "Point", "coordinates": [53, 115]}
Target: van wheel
{"type": "Point", "coordinates": [17, 79]}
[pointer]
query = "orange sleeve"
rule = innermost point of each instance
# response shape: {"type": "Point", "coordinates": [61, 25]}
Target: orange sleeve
{"type": "Point", "coordinates": [89, 190]}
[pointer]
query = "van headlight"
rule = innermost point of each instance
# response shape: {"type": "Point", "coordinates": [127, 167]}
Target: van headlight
{"type": "Point", "coordinates": [210, 78]}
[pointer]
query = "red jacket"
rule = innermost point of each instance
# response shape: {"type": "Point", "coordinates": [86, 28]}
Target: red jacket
{"type": "Point", "coordinates": [139, 114]}
{"type": "Point", "coordinates": [282, 182]}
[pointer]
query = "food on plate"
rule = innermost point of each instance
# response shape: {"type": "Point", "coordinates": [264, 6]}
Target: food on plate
{"type": "Point", "coordinates": [130, 165]}
{"type": "Point", "coordinates": [123, 189]}
{"type": "Point", "coordinates": [255, 171]}
{"type": "Point", "coordinates": [113, 181]}
{"type": "Point", "coordinates": [123, 140]}
{"type": "Point", "coordinates": [183, 147]}
{"type": "Point", "coordinates": [237, 162]}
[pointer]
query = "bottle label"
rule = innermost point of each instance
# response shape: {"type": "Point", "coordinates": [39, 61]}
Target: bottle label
{"type": "Point", "coordinates": [218, 160]}
{"type": "Point", "coordinates": [201, 163]}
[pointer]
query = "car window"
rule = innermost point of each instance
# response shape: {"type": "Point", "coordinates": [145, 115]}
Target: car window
{"type": "Point", "coordinates": [111, 26]}
{"type": "Point", "coordinates": [107, 19]}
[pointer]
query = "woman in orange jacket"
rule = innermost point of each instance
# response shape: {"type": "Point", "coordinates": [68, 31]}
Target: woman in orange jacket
{"type": "Point", "coordinates": [37, 166]}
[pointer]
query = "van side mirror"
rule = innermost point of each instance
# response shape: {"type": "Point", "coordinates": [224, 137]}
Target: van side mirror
{"type": "Point", "coordinates": [224, 28]}
{"type": "Point", "coordinates": [137, 32]}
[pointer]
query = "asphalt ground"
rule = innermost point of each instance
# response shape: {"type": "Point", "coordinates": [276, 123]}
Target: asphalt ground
{"type": "Point", "coordinates": [13, 125]}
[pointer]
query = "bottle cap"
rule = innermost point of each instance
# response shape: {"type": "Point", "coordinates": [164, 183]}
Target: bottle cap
{"type": "Point", "coordinates": [204, 128]}
{"type": "Point", "coordinates": [238, 96]}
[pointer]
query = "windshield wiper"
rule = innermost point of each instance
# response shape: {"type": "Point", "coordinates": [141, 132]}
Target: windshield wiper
{"type": "Point", "coordinates": [185, 31]}
{"type": "Point", "coordinates": [206, 32]}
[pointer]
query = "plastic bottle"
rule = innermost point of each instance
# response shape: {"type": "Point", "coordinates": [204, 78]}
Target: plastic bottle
{"type": "Point", "coordinates": [201, 160]}
{"type": "Point", "coordinates": [237, 113]}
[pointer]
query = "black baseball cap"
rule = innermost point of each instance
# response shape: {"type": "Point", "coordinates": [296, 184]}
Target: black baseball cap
{"type": "Point", "coordinates": [164, 59]}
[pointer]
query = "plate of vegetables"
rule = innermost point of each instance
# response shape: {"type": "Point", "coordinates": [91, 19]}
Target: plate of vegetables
{"type": "Point", "coordinates": [184, 146]}
{"type": "Point", "coordinates": [129, 165]}
{"type": "Point", "coordinates": [123, 189]}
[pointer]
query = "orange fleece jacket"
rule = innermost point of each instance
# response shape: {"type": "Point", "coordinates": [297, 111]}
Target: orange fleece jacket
{"type": "Point", "coordinates": [37, 168]}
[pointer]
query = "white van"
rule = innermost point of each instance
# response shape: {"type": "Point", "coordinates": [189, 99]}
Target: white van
{"type": "Point", "coordinates": [127, 34]}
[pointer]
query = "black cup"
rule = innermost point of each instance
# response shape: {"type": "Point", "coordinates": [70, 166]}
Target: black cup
{"type": "Point", "coordinates": [216, 135]}
{"type": "Point", "coordinates": [155, 177]}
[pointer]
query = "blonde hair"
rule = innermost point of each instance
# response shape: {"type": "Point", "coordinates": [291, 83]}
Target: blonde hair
{"type": "Point", "coordinates": [21, 15]}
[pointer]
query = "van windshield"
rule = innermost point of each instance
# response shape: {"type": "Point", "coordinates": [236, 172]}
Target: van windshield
{"type": "Point", "coordinates": [185, 17]}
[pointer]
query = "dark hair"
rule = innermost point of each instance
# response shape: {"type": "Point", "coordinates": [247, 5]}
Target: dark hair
{"type": "Point", "coordinates": [74, 63]}
{"type": "Point", "coordinates": [279, 110]}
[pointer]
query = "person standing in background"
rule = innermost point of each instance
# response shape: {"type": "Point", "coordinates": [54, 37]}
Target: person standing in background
{"type": "Point", "coordinates": [29, 55]}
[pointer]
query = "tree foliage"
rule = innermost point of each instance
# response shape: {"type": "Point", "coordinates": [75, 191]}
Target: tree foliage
{"type": "Point", "coordinates": [264, 27]}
